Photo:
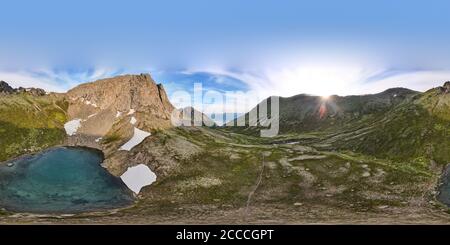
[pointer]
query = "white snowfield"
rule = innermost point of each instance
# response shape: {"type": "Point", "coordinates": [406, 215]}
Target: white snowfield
{"type": "Point", "coordinates": [118, 114]}
{"type": "Point", "coordinates": [132, 111]}
{"type": "Point", "coordinates": [71, 127]}
{"type": "Point", "coordinates": [137, 177]}
{"type": "Point", "coordinates": [138, 137]}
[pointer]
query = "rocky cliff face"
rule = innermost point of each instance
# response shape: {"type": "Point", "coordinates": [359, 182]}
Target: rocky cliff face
{"type": "Point", "coordinates": [123, 93]}
{"type": "Point", "coordinates": [114, 106]}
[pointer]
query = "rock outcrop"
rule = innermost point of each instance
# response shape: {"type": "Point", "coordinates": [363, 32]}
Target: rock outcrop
{"type": "Point", "coordinates": [6, 89]}
{"type": "Point", "coordinates": [446, 88]}
{"type": "Point", "coordinates": [32, 91]}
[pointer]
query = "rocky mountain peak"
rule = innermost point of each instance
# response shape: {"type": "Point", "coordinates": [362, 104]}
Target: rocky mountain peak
{"type": "Point", "coordinates": [122, 93]}
{"type": "Point", "coordinates": [189, 116]}
{"type": "Point", "coordinates": [5, 88]}
{"type": "Point", "coordinates": [446, 87]}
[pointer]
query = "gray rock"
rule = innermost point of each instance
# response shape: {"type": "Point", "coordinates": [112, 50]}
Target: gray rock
{"type": "Point", "coordinates": [5, 88]}
{"type": "Point", "coordinates": [447, 86]}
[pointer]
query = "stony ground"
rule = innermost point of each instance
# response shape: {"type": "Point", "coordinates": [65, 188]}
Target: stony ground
{"type": "Point", "coordinates": [233, 178]}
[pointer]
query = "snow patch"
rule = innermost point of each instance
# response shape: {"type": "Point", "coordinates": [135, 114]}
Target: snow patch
{"type": "Point", "coordinates": [132, 111]}
{"type": "Point", "coordinates": [98, 139]}
{"type": "Point", "coordinates": [92, 115]}
{"type": "Point", "coordinates": [137, 177]}
{"type": "Point", "coordinates": [138, 137]}
{"type": "Point", "coordinates": [87, 102]}
{"type": "Point", "coordinates": [71, 127]}
{"type": "Point", "coordinates": [133, 120]}
{"type": "Point", "coordinates": [118, 114]}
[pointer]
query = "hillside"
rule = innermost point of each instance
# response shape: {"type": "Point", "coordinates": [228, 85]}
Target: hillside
{"type": "Point", "coordinates": [416, 130]}
{"type": "Point", "coordinates": [29, 123]}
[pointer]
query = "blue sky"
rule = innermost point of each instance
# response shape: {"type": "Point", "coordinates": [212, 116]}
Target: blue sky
{"type": "Point", "coordinates": [271, 47]}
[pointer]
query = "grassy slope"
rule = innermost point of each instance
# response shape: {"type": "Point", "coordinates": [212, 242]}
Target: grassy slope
{"type": "Point", "coordinates": [417, 130]}
{"type": "Point", "coordinates": [30, 123]}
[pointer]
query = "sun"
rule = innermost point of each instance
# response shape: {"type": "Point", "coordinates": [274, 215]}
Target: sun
{"type": "Point", "coordinates": [317, 78]}
{"type": "Point", "coordinates": [325, 97]}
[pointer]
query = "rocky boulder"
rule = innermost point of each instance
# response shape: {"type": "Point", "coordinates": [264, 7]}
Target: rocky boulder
{"type": "Point", "coordinates": [31, 91]}
{"type": "Point", "coordinates": [446, 87]}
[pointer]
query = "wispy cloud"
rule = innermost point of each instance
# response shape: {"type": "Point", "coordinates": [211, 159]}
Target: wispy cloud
{"type": "Point", "coordinates": [421, 80]}
{"type": "Point", "coordinates": [340, 80]}
{"type": "Point", "coordinates": [55, 80]}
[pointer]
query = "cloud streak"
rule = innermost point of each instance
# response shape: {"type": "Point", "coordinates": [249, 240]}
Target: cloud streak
{"type": "Point", "coordinates": [55, 80]}
{"type": "Point", "coordinates": [335, 80]}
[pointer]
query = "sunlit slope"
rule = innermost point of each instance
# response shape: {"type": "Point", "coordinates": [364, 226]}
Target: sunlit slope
{"type": "Point", "coordinates": [30, 123]}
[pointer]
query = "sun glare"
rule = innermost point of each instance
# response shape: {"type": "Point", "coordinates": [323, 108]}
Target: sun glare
{"type": "Point", "coordinates": [325, 97]}
{"type": "Point", "coordinates": [321, 80]}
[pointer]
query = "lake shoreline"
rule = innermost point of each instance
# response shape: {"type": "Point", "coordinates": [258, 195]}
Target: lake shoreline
{"type": "Point", "coordinates": [32, 154]}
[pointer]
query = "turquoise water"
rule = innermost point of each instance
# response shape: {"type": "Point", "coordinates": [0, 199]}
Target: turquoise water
{"type": "Point", "coordinates": [61, 180]}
